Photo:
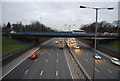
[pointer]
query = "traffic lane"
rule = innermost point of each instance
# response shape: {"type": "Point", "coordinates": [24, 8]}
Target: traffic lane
{"type": "Point", "coordinates": [37, 70]}
{"type": "Point", "coordinates": [106, 66]}
{"type": "Point", "coordinates": [110, 73]}
{"type": "Point", "coordinates": [88, 58]}
{"type": "Point", "coordinates": [51, 72]}
{"type": "Point", "coordinates": [101, 68]}
{"type": "Point", "coordinates": [63, 68]}
{"type": "Point", "coordinates": [19, 70]}
{"type": "Point", "coordinates": [87, 64]}
{"type": "Point", "coordinates": [92, 52]}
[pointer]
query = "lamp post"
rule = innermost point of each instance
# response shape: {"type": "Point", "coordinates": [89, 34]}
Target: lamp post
{"type": "Point", "coordinates": [96, 26]}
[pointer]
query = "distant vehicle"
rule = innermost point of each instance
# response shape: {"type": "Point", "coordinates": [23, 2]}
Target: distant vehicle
{"type": "Point", "coordinates": [76, 47]}
{"type": "Point", "coordinates": [115, 61]}
{"type": "Point", "coordinates": [78, 32]}
{"type": "Point", "coordinates": [74, 41]}
{"type": "Point", "coordinates": [33, 56]}
{"type": "Point", "coordinates": [106, 33]}
{"type": "Point", "coordinates": [97, 56]}
{"type": "Point", "coordinates": [56, 42]}
{"type": "Point", "coordinates": [61, 47]}
{"type": "Point", "coordinates": [60, 40]}
{"type": "Point", "coordinates": [12, 32]}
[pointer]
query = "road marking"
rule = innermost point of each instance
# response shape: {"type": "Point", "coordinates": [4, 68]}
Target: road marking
{"type": "Point", "coordinates": [57, 61]}
{"type": "Point", "coordinates": [96, 70]}
{"type": "Point", "coordinates": [57, 54]}
{"type": "Point", "coordinates": [68, 64]}
{"type": "Point", "coordinates": [49, 53]}
{"type": "Point", "coordinates": [26, 72]}
{"type": "Point", "coordinates": [86, 60]}
{"type": "Point", "coordinates": [36, 60]}
{"type": "Point", "coordinates": [109, 70]}
{"type": "Point", "coordinates": [19, 63]}
{"type": "Point", "coordinates": [56, 73]}
{"type": "Point", "coordinates": [46, 60]}
{"type": "Point", "coordinates": [41, 73]}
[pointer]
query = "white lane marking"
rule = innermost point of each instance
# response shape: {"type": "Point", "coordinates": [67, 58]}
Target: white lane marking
{"type": "Point", "coordinates": [36, 60]}
{"type": "Point", "coordinates": [96, 70]}
{"type": "Point", "coordinates": [57, 61]}
{"type": "Point", "coordinates": [26, 72]}
{"type": "Point", "coordinates": [41, 73]}
{"type": "Point", "coordinates": [57, 54]}
{"type": "Point", "coordinates": [49, 53]}
{"type": "Point", "coordinates": [68, 64]}
{"type": "Point", "coordinates": [86, 60]}
{"type": "Point", "coordinates": [109, 70]}
{"type": "Point", "coordinates": [19, 63]}
{"type": "Point", "coordinates": [56, 73]}
{"type": "Point", "coordinates": [46, 60]}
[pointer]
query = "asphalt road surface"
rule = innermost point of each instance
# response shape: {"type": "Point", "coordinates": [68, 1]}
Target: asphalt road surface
{"type": "Point", "coordinates": [50, 64]}
{"type": "Point", "coordinates": [104, 68]}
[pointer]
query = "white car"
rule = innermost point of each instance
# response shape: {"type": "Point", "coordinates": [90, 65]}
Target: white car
{"type": "Point", "coordinates": [12, 32]}
{"type": "Point", "coordinates": [77, 47]}
{"type": "Point", "coordinates": [115, 61]}
{"type": "Point", "coordinates": [56, 42]}
{"type": "Point", "coordinates": [97, 56]}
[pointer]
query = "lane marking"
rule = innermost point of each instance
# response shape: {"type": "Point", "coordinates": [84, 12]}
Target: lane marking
{"type": "Point", "coordinates": [46, 60]}
{"type": "Point", "coordinates": [41, 73]}
{"type": "Point", "coordinates": [36, 60]}
{"type": "Point", "coordinates": [96, 70]}
{"type": "Point", "coordinates": [57, 54]}
{"type": "Point", "coordinates": [19, 63]}
{"type": "Point", "coordinates": [109, 70]}
{"type": "Point", "coordinates": [56, 73]}
{"type": "Point", "coordinates": [68, 64]}
{"type": "Point", "coordinates": [57, 61]}
{"type": "Point", "coordinates": [86, 60]}
{"type": "Point", "coordinates": [49, 53]}
{"type": "Point", "coordinates": [26, 72]}
{"type": "Point", "coordinates": [24, 59]}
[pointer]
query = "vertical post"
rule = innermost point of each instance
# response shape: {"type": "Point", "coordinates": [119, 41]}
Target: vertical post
{"type": "Point", "coordinates": [95, 43]}
{"type": "Point", "coordinates": [41, 24]}
{"type": "Point", "coordinates": [96, 26]}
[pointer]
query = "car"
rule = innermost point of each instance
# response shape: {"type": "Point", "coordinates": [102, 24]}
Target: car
{"type": "Point", "coordinates": [60, 40]}
{"type": "Point", "coordinates": [56, 42]}
{"type": "Point", "coordinates": [97, 56]}
{"type": "Point", "coordinates": [76, 47]}
{"type": "Point", "coordinates": [115, 61]}
{"type": "Point", "coordinates": [12, 32]}
{"type": "Point", "coordinates": [33, 56]}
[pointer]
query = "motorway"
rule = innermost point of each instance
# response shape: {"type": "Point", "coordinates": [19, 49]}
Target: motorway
{"type": "Point", "coordinates": [55, 63]}
{"type": "Point", "coordinates": [50, 64]}
{"type": "Point", "coordinates": [104, 69]}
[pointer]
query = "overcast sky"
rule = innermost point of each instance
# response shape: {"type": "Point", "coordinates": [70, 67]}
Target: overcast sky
{"type": "Point", "coordinates": [57, 14]}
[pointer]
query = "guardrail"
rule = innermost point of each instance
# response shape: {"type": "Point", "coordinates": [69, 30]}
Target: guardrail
{"type": "Point", "coordinates": [15, 54]}
{"type": "Point", "coordinates": [85, 74]}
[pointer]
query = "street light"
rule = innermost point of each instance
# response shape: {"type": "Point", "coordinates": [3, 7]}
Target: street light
{"type": "Point", "coordinates": [95, 30]}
